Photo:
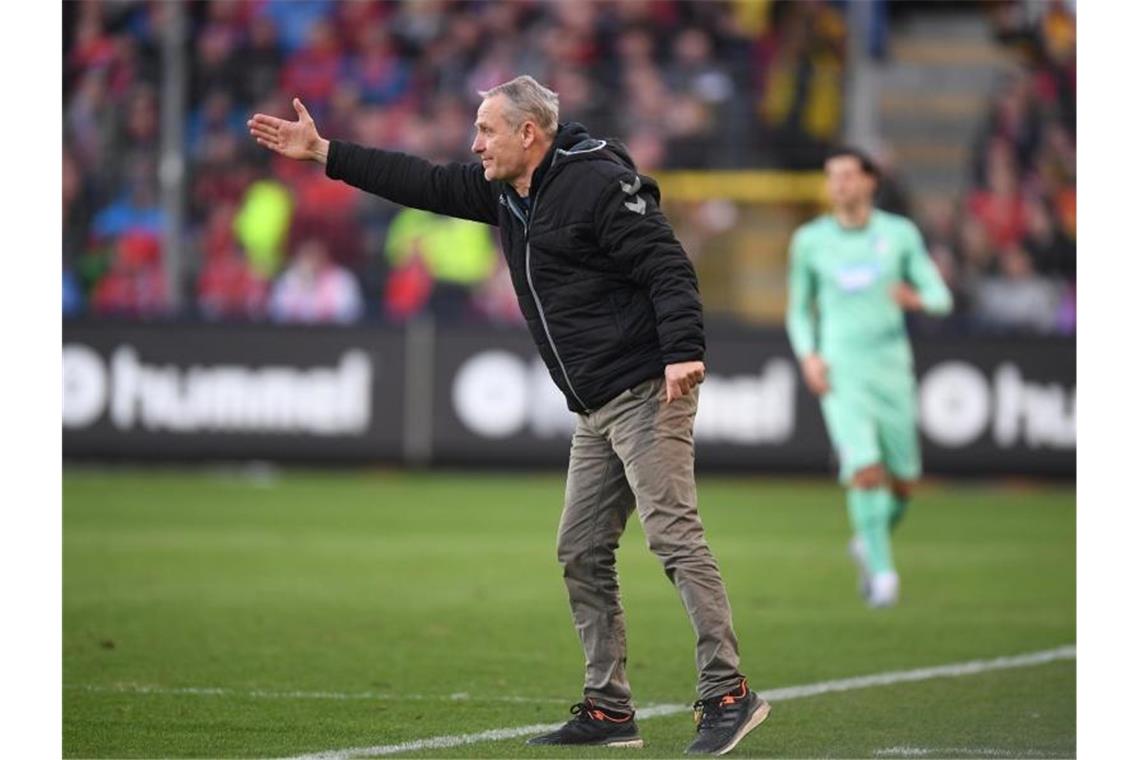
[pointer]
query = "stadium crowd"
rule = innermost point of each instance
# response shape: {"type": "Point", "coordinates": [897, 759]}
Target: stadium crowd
{"type": "Point", "coordinates": [1008, 249]}
{"type": "Point", "coordinates": [701, 85]}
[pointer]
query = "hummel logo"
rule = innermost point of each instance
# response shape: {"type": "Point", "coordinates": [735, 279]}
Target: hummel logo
{"type": "Point", "coordinates": [631, 189]}
{"type": "Point", "coordinates": [637, 208]}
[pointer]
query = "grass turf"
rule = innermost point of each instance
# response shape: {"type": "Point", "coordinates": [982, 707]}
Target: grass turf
{"type": "Point", "coordinates": [196, 603]}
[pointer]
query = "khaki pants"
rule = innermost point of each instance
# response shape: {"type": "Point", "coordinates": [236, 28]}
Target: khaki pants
{"type": "Point", "coordinates": [638, 450]}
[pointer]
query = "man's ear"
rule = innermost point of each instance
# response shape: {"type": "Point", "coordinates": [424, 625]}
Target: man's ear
{"type": "Point", "coordinates": [529, 133]}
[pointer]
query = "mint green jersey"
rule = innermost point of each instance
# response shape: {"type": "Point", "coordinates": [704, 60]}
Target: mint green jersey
{"type": "Point", "coordinates": [840, 306]}
{"type": "Point", "coordinates": [839, 289]}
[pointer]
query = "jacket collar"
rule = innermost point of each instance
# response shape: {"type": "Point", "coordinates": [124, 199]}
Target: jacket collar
{"type": "Point", "coordinates": [571, 139]}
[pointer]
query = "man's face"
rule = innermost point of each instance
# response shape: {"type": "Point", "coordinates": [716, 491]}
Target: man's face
{"type": "Point", "coordinates": [847, 183]}
{"type": "Point", "coordinates": [500, 147]}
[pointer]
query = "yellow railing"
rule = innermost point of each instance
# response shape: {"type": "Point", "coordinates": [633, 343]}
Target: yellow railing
{"type": "Point", "coordinates": [747, 186]}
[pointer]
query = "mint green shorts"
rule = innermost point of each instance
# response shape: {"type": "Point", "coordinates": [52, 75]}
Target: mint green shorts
{"type": "Point", "coordinates": [874, 423]}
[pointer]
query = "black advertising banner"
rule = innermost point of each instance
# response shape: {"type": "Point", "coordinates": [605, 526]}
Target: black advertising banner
{"type": "Point", "coordinates": [482, 396]}
{"type": "Point", "coordinates": [494, 401]}
{"type": "Point", "coordinates": [997, 406]}
{"type": "Point", "coordinates": [232, 392]}
{"type": "Point", "coordinates": [986, 406]}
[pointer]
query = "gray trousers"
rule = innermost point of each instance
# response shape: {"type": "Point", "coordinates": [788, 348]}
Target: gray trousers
{"type": "Point", "coordinates": [638, 451]}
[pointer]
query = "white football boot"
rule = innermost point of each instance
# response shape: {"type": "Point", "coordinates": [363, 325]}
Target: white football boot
{"type": "Point", "coordinates": [884, 590]}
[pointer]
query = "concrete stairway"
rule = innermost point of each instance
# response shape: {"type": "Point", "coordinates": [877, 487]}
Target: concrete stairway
{"type": "Point", "coordinates": [932, 96]}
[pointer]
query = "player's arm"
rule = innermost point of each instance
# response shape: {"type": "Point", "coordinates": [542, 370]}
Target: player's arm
{"type": "Point", "coordinates": [800, 317]}
{"type": "Point", "coordinates": [629, 223]}
{"type": "Point", "coordinates": [453, 189]}
{"type": "Point", "coordinates": [924, 289]}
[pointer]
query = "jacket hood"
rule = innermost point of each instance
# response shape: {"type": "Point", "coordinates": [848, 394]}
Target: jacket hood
{"type": "Point", "coordinates": [569, 134]}
{"type": "Point", "coordinates": [573, 143]}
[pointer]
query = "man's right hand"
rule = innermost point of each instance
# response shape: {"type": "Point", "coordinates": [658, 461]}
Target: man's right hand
{"type": "Point", "coordinates": [292, 139]}
{"type": "Point", "coordinates": [815, 374]}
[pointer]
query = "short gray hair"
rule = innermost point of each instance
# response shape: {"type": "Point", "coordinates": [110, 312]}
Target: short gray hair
{"type": "Point", "coordinates": [527, 99]}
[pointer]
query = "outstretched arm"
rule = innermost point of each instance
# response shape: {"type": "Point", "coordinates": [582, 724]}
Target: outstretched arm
{"type": "Point", "coordinates": [452, 189]}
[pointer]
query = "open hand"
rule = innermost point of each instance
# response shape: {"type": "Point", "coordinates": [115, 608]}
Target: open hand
{"type": "Point", "coordinates": [292, 139]}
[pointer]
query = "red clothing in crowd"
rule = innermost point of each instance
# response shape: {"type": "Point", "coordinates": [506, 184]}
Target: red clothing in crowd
{"type": "Point", "coordinates": [1004, 217]}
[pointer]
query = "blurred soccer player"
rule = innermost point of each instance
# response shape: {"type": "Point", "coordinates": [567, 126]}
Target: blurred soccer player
{"type": "Point", "coordinates": [611, 301]}
{"type": "Point", "coordinates": [853, 273]}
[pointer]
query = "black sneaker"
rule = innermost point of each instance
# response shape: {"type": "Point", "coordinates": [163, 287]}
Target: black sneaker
{"type": "Point", "coordinates": [594, 726]}
{"type": "Point", "coordinates": [723, 721]}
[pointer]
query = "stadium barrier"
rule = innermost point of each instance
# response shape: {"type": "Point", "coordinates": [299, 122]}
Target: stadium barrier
{"type": "Point", "coordinates": [424, 395]}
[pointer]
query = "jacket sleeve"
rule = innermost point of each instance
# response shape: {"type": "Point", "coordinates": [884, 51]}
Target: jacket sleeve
{"type": "Point", "coordinates": [451, 189]}
{"type": "Point", "coordinates": [630, 226]}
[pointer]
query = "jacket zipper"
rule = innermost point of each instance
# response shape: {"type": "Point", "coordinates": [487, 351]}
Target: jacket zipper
{"type": "Point", "coordinates": [537, 302]}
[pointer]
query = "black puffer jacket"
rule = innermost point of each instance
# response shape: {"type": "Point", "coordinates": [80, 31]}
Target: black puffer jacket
{"type": "Point", "coordinates": [607, 291]}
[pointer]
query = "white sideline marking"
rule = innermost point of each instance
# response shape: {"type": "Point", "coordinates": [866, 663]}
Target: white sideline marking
{"type": "Point", "coordinates": [953, 670]}
{"type": "Point", "coordinates": [957, 752]}
{"type": "Point", "coordinates": [266, 694]}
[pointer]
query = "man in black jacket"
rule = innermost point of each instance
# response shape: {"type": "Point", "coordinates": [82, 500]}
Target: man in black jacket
{"type": "Point", "coordinates": [611, 301]}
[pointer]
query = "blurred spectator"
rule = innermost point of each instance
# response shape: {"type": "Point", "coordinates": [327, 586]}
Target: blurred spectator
{"type": "Point", "coordinates": [890, 192]}
{"type": "Point", "coordinates": [999, 206]}
{"type": "Point", "coordinates": [801, 91]}
{"type": "Point", "coordinates": [1019, 298]}
{"type": "Point", "coordinates": [216, 62]}
{"type": "Point", "coordinates": [315, 289]}
{"type": "Point", "coordinates": [313, 71]}
{"type": "Point", "coordinates": [456, 256]}
{"type": "Point", "coordinates": [219, 175]}
{"type": "Point", "coordinates": [72, 294]}
{"type": "Point", "coordinates": [693, 69]}
{"type": "Point", "coordinates": [495, 300]}
{"type": "Point", "coordinates": [135, 286]}
{"type": "Point", "coordinates": [217, 117]}
{"type": "Point", "coordinates": [296, 18]}
{"type": "Point", "coordinates": [260, 61]}
{"type": "Point", "coordinates": [91, 47]}
{"type": "Point", "coordinates": [325, 209]}
{"type": "Point", "coordinates": [691, 127]}
{"type": "Point", "coordinates": [228, 287]}
{"type": "Point", "coordinates": [1013, 122]}
{"type": "Point", "coordinates": [1052, 252]}
{"type": "Point", "coordinates": [77, 209]}
{"type": "Point", "coordinates": [88, 121]}
{"type": "Point", "coordinates": [1045, 31]}
{"type": "Point", "coordinates": [977, 253]}
{"type": "Point", "coordinates": [647, 149]}
{"type": "Point", "coordinates": [137, 210]}
{"type": "Point", "coordinates": [262, 224]}
{"type": "Point", "coordinates": [380, 75]}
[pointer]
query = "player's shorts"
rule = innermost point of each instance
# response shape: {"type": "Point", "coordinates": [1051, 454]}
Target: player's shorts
{"type": "Point", "coordinates": [874, 423]}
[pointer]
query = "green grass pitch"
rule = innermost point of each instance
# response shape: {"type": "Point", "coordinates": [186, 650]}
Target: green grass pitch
{"type": "Point", "coordinates": [213, 615]}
